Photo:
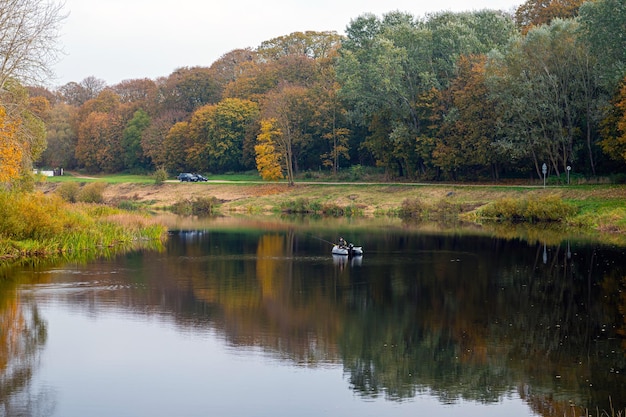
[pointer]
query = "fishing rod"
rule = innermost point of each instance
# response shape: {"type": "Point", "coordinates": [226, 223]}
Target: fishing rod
{"type": "Point", "coordinates": [324, 240]}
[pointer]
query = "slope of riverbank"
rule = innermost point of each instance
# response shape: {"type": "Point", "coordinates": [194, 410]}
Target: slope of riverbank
{"type": "Point", "coordinates": [604, 203]}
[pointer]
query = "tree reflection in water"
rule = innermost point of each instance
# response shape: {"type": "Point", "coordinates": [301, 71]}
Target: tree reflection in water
{"type": "Point", "coordinates": [23, 334]}
{"type": "Point", "coordinates": [468, 317]}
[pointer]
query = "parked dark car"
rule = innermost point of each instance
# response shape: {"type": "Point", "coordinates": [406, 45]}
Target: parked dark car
{"type": "Point", "coordinates": [200, 178]}
{"type": "Point", "coordinates": [187, 177]}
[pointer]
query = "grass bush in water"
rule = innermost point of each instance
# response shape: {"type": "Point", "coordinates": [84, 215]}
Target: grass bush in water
{"type": "Point", "coordinates": [305, 206]}
{"type": "Point", "coordinates": [300, 206]}
{"type": "Point", "coordinates": [534, 209]}
{"type": "Point", "coordinates": [200, 206]}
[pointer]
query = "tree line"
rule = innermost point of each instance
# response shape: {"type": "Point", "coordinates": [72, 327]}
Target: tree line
{"type": "Point", "coordinates": [461, 96]}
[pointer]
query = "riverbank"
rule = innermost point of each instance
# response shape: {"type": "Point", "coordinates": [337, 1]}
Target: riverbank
{"type": "Point", "coordinates": [599, 207]}
{"type": "Point", "coordinates": [370, 197]}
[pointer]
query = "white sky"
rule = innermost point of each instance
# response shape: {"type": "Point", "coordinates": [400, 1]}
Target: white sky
{"type": "Point", "coordinates": [116, 40]}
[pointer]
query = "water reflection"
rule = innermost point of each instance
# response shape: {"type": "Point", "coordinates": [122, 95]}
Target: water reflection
{"type": "Point", "coordinates": [22, 336]}
{"type": "Point", "coordinates": [458, 318]}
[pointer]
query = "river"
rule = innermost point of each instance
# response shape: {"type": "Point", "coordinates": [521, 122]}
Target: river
{"type": "Point", "coordinates": [245, 317]}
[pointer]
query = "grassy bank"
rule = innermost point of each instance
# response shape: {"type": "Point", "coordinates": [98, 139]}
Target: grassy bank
{"type": "Point", "coordinates": [589, 207]}
{"type": "Point", "coordinates": [38, 225]}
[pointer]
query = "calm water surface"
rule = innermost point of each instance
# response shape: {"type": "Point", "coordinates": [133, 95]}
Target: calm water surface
{"type": "Point", "coordinates": [261, 320]}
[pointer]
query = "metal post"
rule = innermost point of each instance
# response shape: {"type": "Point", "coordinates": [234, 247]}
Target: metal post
{"type": "Point", "coordinates": [544, 169]}
{"type": "Point", "coordinates": [569, 168]}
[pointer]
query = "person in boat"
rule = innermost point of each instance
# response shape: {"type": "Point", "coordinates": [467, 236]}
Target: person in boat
{"type": "Point", "coordinates": [342, 242]}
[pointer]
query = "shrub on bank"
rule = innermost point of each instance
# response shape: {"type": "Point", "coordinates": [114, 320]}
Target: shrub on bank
{"type": "Point", "coordinates": [412, 208]}
{"type": "Point", "coordinates": [305, 206]}
{"type": "Point", "coordinates": [36, 217]}
{"type": "Point", "coordinates": [200, 206]}
{"type": "Point", "coordinates": [300, 206]}
{"type": "Point", "coordinates": [441, 210]}
{"type": "Point", "coordinates": [69, 191]}
{"type": "Point", "coordinates": [72, 192]}
{"type": "Point", "coordinates": [160, 176]}
{"type": "Point", "coordinates": [45, 225]}
{"type": "Point", "coordinates": [92, 192]}
{"type": "Point", "coordinates": [534, 209]}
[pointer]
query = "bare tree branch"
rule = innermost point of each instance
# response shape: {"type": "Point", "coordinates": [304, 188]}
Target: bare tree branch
{"type": "Point", "coordinates": [29, 30]}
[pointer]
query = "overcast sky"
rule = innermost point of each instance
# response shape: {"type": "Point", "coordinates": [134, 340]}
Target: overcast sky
{"type": "Point", "coordinates": [116, 40]}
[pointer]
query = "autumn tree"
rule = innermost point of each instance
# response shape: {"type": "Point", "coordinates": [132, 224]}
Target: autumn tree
{"type": "Point", "coordinates": [176, 146]}
{"type": "Point", "coordinates": [220, 130]}
{"type": "Point", "coordinates": [99, 126]}
{"type": "Point", "coordinates": [268, 157]}
{"type": "Point", "coordinates": [464, 142]}
{"type": "Point", "coordinates": [143, 91]}
{"type": "Point", "coordinates": [10, 148]}
{"type": "Point", "coordinates": [78, 94]}
{"type": "Point", "coordinates": [259, 78]}
{"type": "Point", "coordinates": [186, 89]}
{"type": "Point", "coordinates": [542, 12]}
{"type": "Point", "coordinates": [290, 108]}
{"type": "Point", "coordinates": [227, 68]}
{"type": "Point", "coordinates": [614, 128]}
{"type": "Point", "coordinates": [28, 37]}
{"type": "Point", "coordinates": [27, 116]}
{"type": "Point", "coordinates": [98, 148]}
{"type": "Point", "coordinates": [153, 138]}
{"type": "Point", "coordinates": [60, 138]}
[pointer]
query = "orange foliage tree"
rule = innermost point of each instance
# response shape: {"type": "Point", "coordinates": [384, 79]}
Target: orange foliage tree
{"type": "Point", "coordinates": [267, 156]}
{"type": "Point", "coordinates": [10, 149]}
{"type": "Point", "coordinates": [542, 12]}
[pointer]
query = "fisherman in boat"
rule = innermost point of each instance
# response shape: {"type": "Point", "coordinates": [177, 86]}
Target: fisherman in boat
{"type": "Point", "coordinates": [342, 242]}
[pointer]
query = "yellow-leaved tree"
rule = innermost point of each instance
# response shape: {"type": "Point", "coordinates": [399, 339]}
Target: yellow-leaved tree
{"type": "Point", "coordinates": [267, 156]}
{"type": "Point", "coordinates": [11, 152]}
{"type": "Point", "coordinates": [614, 127]}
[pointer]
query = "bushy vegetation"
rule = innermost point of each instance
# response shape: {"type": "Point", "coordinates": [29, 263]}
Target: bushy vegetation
{"type": "Point", "coordinates": [306, 206]}
{"type": "Point", "coordinates": [68, 191]}
{"type": "Point", "coordinates": [300, 206]}
{"type": "Point", "coordinates": [91, 192]}
{"type": "Point", "coordinates": [200, 206]}
{"type": "Point", "coordinates": [412, 208]}
{"type": "Point", "coordinates": [532, 209]}
{"type": "Point", "coordinates": [416, 209]}
{"type": "Point", "coordinates": [160, 176]}
{"type": "Point", "coordinates": [37, 224]}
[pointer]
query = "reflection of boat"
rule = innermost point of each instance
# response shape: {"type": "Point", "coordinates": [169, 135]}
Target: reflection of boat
{"type": "Point", "coordinates": [349, 250]}
{"type": "Point", "coordinates": [342, 260]}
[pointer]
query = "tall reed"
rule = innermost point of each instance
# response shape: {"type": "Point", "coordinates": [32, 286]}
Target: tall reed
{"type": "Point", "coordinates": [34, 224]}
